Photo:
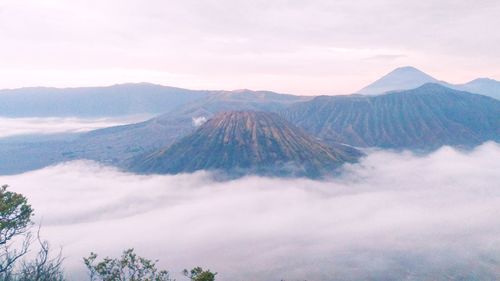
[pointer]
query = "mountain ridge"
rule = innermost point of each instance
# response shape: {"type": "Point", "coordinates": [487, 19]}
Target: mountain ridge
{"type": "Point", "coordinates": [116, 100]}
{"type": "Point", "coordinates": [362, 121]}
{"type": "Point", "coordinates": [423, 118]}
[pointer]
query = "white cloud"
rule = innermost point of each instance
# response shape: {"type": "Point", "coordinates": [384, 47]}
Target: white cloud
{"type": "Point", "coordinates": [391, 214]}
{"type": "Point", "coordinates": [198, 121]}
{"type": "Point", "coordinates": [53, 125]}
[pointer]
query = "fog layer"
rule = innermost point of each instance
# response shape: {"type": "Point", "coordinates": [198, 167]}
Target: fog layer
{"type": "Point", "coordinates": [54, 125]}
{"type": "Point", "coordinates": [393, 216]}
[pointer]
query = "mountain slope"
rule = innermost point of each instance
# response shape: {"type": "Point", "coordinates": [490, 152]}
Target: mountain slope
{"type": "Point", "coordinates": [401, 78]}
{"type": "Point", "coordinates": [247, 142]}
{"type": "Point", "coordinates": [423, 118]}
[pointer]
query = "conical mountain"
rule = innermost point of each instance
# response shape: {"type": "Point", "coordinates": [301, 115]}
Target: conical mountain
{"type": "Point", "coordinates": [246, 142]}
{"type": "Point", "coordinates": [402, 78]}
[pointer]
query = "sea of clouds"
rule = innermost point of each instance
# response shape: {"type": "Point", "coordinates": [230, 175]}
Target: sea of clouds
{"type": "Point", "coordinates": [393, 216]}
{"type": "Point", "coordinates": [54, 125]}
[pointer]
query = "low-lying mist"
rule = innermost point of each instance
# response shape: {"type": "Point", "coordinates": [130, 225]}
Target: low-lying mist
{"type": "Point", "coordinates": [54, 125]}
{"type": "Point", "coordinates": [393, 216]}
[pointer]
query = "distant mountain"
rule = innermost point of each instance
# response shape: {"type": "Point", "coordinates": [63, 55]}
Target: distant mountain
{"type": "Point", "coordinates": [247, 142]}
{"type": "Point", "coordinates": [483, 86]}
{"type": "Point", "coordinates": [402, 78]}
{"type": "Point", "coordinates": [237, 100]}
{"type": "Point", "coordinates": [423, 118]}
{"type": "Point", "coordinates": [406, 78]}
{"type": "Point", "coordinates": [124, 99]}
{"type": "Point", "coordinates": [117, 100]}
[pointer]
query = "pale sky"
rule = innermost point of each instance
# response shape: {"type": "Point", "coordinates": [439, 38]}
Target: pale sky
{"type": "Point", "coordinates": [299, 47]}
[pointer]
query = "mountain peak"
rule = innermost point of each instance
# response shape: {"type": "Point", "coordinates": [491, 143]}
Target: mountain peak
{"type": "Point", "coordinates": [248, 142]}
{"type": "Point", "coordinates": [483, 86]}
{"type": "Point", "coordinates": [407, 68]}
{"type": "Point", "coordinates": [401, 78]}
{"type": "Point", "coordinates": [483, 80]}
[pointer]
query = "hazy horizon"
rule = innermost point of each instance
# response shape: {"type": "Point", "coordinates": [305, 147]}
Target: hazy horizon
{"type": "Point", "coordinates": [229, 90]}
{"type": "Point", "coordinates": [293, 47]}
